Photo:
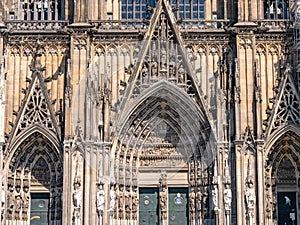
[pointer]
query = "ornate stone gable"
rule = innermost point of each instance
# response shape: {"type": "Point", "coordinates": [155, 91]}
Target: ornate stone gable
{"type": "Point", "coordinates": [36, 108]}
{"type": "Point", "coordinates": [248, 137]}
{"type": "Point", "coordinates": [161, 57]}
{"type": "Point", "coordinates": [285, 108]}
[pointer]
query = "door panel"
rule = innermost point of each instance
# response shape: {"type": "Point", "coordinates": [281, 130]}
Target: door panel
{"type": "Point", "coordinates": [148, 206]}
{"type": "Point", "coordinates": [39, 209]}
{"type": "Point", "coordinates": [287, 211]}
{"type": "Point", "coordinates": [178, 203]}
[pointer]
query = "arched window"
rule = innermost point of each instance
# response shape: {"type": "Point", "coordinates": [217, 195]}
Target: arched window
{"type": "Point", "coordinates": [143, 9]}
{"type": "Point", "coordinates": [40, 10]}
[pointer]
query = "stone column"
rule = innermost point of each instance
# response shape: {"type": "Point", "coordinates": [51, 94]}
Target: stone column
{"type": "Point", "coordinates": [66, 218]}
{"type": "Point", "coordinates": [260, 177]}
{"type": "Point", "coordinates": [2, 99]}
{"type": "Point", "coordinates": [227, 194]}
{"type": "Point", "coordinates": [2, 190]}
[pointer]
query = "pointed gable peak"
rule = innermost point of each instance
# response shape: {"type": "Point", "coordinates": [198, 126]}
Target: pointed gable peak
{"type": "Point", "coordinates": [285, 108]}
{"type": "Point", "coordinates": [248, 138]}
{"type": "Point", "coordinates": [161, 57]}
{"type": "Point", "coordinates": [36, 108]}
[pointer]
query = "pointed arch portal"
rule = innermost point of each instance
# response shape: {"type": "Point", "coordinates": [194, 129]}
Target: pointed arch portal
{"type": "Point", "coordinates": [282, 180]}
{"type": "Point", "coordinates": [165, 142]}
{"type": "Point", "coordinates": [34, 181]}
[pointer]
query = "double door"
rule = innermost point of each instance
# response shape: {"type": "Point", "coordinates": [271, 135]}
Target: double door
{"type": "Point", "coordinates": [149, 206]}
{"type": "Point", "coordinates": [287, 208]}
{"type": "Point", "coordinates": [39, 209]}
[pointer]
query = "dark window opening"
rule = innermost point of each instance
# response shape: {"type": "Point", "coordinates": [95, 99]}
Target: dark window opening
{"type": "Point", "coordinates": [143, 9]}
{"type": "Point", "coordinates": [41, 10]}
{"type": "Point", "coordinates": [278, 9]}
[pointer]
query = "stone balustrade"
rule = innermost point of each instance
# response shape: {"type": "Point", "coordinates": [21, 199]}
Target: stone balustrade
{"type": "Point", "coordinates": [139, 25]}
{"type": "Point", "coordinates": [36, 25]}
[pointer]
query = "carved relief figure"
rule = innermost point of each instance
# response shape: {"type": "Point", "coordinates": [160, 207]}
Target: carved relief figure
{"type": "Point", "coordinates": [127, 200]}
{"type": "Point", "coordinates": [135, 203]}
{"type": "Point", "coordinates": [25, 206]}
{"type": "Point", "coordinates": [10, 203]}
{"type": "Point", "coordinates": [18, 206]}
{"type": "Point", "coordinates": [199, 202]}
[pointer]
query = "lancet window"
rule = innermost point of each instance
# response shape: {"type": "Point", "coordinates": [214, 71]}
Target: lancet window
{"type": "Point", "coordinates": [143, 9]}
{"type": "Point", "coordinates": [39, 10]}
{"type": "Point", "coordinates": [189, 9]}
{"type": "Point", "coordinates": [278, 9]}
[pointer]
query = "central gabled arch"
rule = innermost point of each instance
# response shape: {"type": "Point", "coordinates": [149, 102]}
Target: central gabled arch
{"type": "Point", "coordinates": [165, 130]}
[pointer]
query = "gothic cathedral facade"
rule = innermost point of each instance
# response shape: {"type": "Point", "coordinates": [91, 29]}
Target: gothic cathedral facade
{"type": "Point", "coordinates": [149, 112]}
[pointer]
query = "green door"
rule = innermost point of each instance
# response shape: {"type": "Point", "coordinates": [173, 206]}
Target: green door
{"type": "Point", "coordinates": [148, 206]}
{"type": "Point", "coordinates": [287, 208]}
{"type": "Point", "coordinates": [39, 209]}
{"type": "Point", "coordinates": [178, 203]}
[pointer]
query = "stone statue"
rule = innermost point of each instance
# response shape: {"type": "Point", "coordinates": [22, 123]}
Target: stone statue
{"type": "Point", "coordinates": [77, 198]}
{"type": "Point", "coordinates": [3, 197]}
{"type": "Point", "coordinates": [154, 68]}
{"type": "Point", "coordinates": [192, 200]}
{"type": "Point", "coordinates": [135, 201]}
{"type": "Point", "coordinates": [180, 74]}
{"type": "Point", "coordinates": [163, 199]}
{"type": "Point", "coordinates": [163, 202]}
{"type": "Point", "coordinates": [100, 199]}
{"type": "Point", "coordinates": [199, 200]}
{"type": "Point", "coordinates": [76, 217]}
{"type": "Point", "coordinates": [214, 194]}
{"type": "Point", "coordinates": [250, 195]}
{"type": "Point", "coordinates": [227, 197]}
{"type": "Point", "coordinates": [112, 198]}
{"type": "Point", "coordinates": [192, 197]}
{"type": "Point", "coordinates": [127, 201]}
{"type": "Point", "coordinates": [25, 204]}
